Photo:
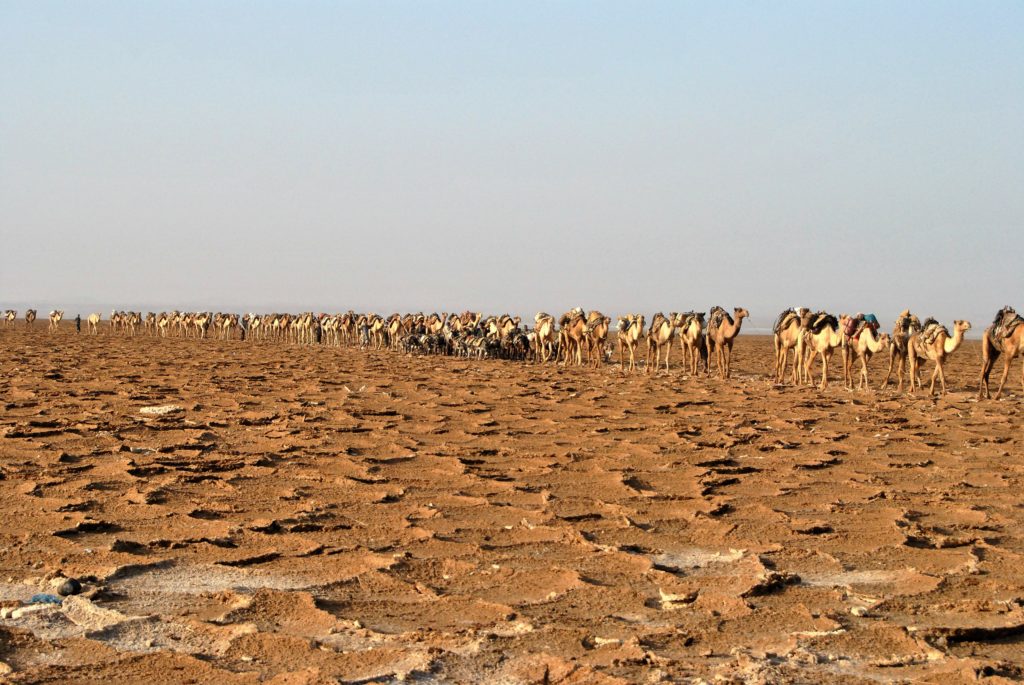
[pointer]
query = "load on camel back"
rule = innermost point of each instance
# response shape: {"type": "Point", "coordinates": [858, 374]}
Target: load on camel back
{"type": "Point", "coordinates": [786, 317]}
{"type": "Point", "coordinates": [1003, 325]}
{"type": "Point", "coordinates": [855, 325]}
{"type": "Point", "coordinates": [931, 328]}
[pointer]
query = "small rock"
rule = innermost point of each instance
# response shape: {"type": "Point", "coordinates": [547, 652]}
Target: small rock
{"type": "Point", "coordinates": [70, 586]}
{"type": "Point", "coordinates": [859, 611]}
{"type": "Point", "coordinates": [161, 410]}
{"type": "Point", "coordinates": [31, 609]}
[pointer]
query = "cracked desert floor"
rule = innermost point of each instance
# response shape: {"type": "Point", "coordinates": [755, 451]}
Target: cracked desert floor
{"type": "Point", "coordinates": [335, 515]}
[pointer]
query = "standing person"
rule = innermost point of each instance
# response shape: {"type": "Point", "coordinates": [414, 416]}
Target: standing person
{"type": "Point", "coordinates": [78, 323]}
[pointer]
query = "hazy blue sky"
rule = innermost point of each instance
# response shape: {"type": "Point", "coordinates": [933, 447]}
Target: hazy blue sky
{"type": "Point", "coordinates": [513, 156]}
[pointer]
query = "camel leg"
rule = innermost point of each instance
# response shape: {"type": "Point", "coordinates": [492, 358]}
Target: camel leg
{"type": "Point", "coordinates": [776, 343]}
{"type": "Point", "coordinates": [987, 360]}
{"type": "Point", "coordinates": [888, 374]}
{"type": "Point", "coordinates": [824, 371]}
{"type": "Point", "coordinates": [1002, 381]}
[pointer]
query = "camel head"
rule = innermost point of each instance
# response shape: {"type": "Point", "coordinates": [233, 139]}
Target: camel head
{"type": "Point", "coordinates": [960, 325]}
{"type": "Point", "coordinates": [740, 313]}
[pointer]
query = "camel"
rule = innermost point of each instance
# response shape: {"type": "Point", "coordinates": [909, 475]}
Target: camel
{"type": "Point", "coordinates": [9, 316]}
{"type": "Point", "coordinates": [659, 336]}
{"type": "Point", "coordinates": [906, 325]}
{"type": "Point", "coordinates": [55, 317]}
{"type": "Point", "coordinates": [30, 317]}
{"type": "Point", "coordinates": [722, 331]}
{"type": "Point", "coordinates": [630, 330]}
{"type": "Point", "coordinates": [596, 332]}
{"type": "Point", "coordinates": [94, 323]}
{"type": "Point", "coordinates": [934, 343]}
{"type": "Point", "coordinates": [863, 346]}
{"type": "Point", "coordinates": [394, 329]}
{"type": "Point", "coordinates": [571, 336]}
{"type": "Point", "coordinates": [435, 323]}
{"type": "Point", "coordinates": [851, 330]}
{"type": "Point", "coordinates": [691, 339]}
{"type": "Point", "coordinates": [545, 336]}
{"type": "Point", "coordinates": [786, 336]}
{"type": "Point", "coordinates": [822, 338]}
{"type": "Point", "coordinates": [1004, 337]}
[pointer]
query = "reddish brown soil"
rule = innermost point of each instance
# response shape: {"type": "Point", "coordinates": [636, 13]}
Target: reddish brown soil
{"type": "Point", "coordinates": [315, 515]}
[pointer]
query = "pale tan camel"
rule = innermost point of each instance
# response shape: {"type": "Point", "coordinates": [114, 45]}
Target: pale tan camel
{"type": "Point", "coordinates": [376, 326]}
{"type": "Point", "coordinates": [394, 329]}
{"type": "Point", "coordinates": [55, 317]}
{"type": "Point", "coordinates": [659, 337]}
{"type": "Point", "coordinates": [722, 331]}
{"type": "Point", "coordinates": [906, 325]}
{"type": "Point", "coordinates": [571, 336]}
{"type": "Point", "coordinates": [691, 339]}
{"type": "Point", "coordinates": [994, 344]}
{"type": "Point", "coordinates": [824, 343]}
{"type": "Point", "coordinates": [863, 347]}
{"type": "Point", "coordinates": [9, 317]}
{"type": "Point", "coordinates": [30, 317]}
{"type": "Point", "coordinates": [94, 323]}
{"type": "Point", "coordinates": [786, 336]}
{"type": "Point", "coordinates": [938, 349]}
{"type": "Point", "coordinates": [630, 330]}
{"type": "Point", "coordinates": [596, 333]}
{"type": "Point", "coordinates": [545, 336]}
{"type": "Point", "coordinates": [803, 352]}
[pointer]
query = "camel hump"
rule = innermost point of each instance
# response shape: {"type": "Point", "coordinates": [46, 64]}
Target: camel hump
{"type": "Point", "coordinates": [931, 330]}
{"type": "Point", "coordinates": [1005, 321]}
{"type": "Point", "coordinates": [784, 318]}
{"type": "Point", "coordinates": [822, 319]}
{"type": "Point", "coordinates": [718, 315]}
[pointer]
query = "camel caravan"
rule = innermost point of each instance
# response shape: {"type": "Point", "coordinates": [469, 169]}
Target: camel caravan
{"type": "Point", "coordinates": [813, 336]}
{"type": "Point", "coordinates": [801, 338]}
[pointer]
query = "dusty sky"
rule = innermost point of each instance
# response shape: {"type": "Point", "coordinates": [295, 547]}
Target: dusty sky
{"type": "Point", "coordinates": [513, 156]}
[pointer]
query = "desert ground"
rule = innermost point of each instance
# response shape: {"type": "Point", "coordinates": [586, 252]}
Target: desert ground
{"type": "Point", "coordinates": [321, 515]}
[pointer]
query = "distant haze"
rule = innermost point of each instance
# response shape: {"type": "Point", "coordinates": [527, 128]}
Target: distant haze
{"type": "Point", "coordinates": [520, 156]}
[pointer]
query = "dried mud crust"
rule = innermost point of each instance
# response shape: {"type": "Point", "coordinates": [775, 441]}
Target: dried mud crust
{"type": "Point", "coordinates": [320, 515]}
